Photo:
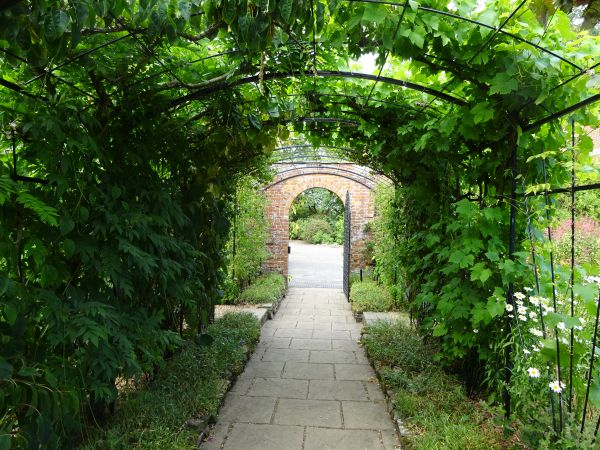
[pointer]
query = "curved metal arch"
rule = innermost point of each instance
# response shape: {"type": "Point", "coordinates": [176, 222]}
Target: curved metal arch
{"type": "Point", "coordinates": [475, 22]}
{"type": "Point", "coordinates": [326, 147]}
{"type": "Point", "coordinates": [340, 120]}
{"type": "Point", "coordinates": [352, 172]}
{"type": "Point", "coordinates": [316, 173]}
{"type": "Point", "coordinates": [360, 97]}
{"type": "Point", "coordinates": [300, 164]}
{"type": "Point", "coordinates": [320, 73]}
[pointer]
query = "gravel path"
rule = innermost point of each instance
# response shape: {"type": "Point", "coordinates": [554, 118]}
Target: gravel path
{"type": "Point", "coordinates": [316, 266]}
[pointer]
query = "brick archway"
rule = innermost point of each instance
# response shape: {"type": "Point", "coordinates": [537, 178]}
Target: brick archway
{"type": "Point", "coordinates": [339, 178]}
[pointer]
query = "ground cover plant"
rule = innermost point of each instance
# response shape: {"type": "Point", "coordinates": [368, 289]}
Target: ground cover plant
{"type": "Point", "coordinates": [190, 385]}
{"type": "Point", "coordinates": [369, 295]}
{"type": "Point", "coordinates": [433, 405]}
{"type": "Point", "coordinates": [267, 288]}
{"type": "Point", "coordinates": [127, 125]}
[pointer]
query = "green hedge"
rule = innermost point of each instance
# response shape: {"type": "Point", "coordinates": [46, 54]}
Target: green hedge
{"type": "Point", "coordinates": [370, 296]}
{"type": "Point", "coordinates": [266, 289]}
{"type": "Point", "coordinates": [433, 404]}
{"type": "Point", "coordinates": [191, 384]}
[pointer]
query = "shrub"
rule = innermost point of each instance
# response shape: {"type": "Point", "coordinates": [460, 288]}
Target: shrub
{"type": "Point", "coordinates": [153, 416]}
{"type": "Point", "coordinates": [370, 296]}
{"type": "Point", "coordinates": [313, 228]}
{"type": "Point", "coordinates": [250, 228]}
{"type": "Point", "coordinates": [265, 289]}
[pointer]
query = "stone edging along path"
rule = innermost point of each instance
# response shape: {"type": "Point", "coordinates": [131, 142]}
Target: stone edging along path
{"type": "Point", "coordinates": [308, 384]}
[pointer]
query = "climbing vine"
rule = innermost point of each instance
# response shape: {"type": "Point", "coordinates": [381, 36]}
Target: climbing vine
{"type": "Point", "coordinates": [127, 125]}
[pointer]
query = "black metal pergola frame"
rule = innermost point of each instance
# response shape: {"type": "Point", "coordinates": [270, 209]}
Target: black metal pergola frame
{"type": "Point", "coordinates": [435, 94]}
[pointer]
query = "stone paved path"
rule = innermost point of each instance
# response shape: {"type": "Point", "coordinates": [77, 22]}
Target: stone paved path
{"type": "Point", "coordinates": [308, 385]}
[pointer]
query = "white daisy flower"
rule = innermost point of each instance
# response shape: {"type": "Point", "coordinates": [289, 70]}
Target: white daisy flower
{"type": "Point", "coordinates": [476, 330]}
{"type": "Point", "coordinates": [527, 352]}
{"type": "Point", "coordinates": [509, 307]}
{"type": "Point", "coordinates": [527, 289]}
{"type": "Point", "coordinates": [533, 372]}
{"type": "Point", "coordinates": [536, 332]}
{"type": "Point", "coordinates": [561, 326]}
{"type": "Point", "coordinates": [556, 386]}
{"type": "Point", "coordinates": [522, 309]}
{"type": "Point", "coordinates": [523, 318]}
{"type": "Point", "coordinates": [519, 295]}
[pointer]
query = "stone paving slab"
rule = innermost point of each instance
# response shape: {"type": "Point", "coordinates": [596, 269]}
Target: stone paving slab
{"type": "Point", "coordinates": [309, 412]}
{"type": "Point", "coordinates": [342, 439]}
{"type": "Point", "coordinates": [308, 385]}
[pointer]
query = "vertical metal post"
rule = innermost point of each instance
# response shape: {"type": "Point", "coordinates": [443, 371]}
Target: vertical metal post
{"type": "Point", "coordinates": [572, 262]}
{"type": "Point", "coordinates": [553, 278]}
{"type": "Point", "coordinates": [347, 248]}
{"type": "Point", "coordinates": [510, 292]}
{"type": "Point", "coordinates": [235, 211]}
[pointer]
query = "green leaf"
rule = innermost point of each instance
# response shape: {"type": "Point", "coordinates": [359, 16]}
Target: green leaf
{"type": "Point", "coordinates": [46, 213]}
{"type": "Point", "coordinates": [495, 307]}
{"type": "Point", "coordinates": [413, 5]}
{"type": "Point", "coordinates": [503, 83]}
{"type": "Point", "coordinates": [466, 209]}
{"type": "Point", "coordinates": [6, 369]}
{"type": "Point", "coordinates": [10, 313]}
{"type": "Point", "coordinates": [51, 379]}
{"type": "Point", "coordinates": [84, 213]}
{"type": "Point", "coordinates": [482, 112]}
{"type": "Point", "coordinates": [440, 330]}
{"type": "Point", "coordinates": [417, 36]}
{"type": "Point", "coordinates": [374, 13]}
{"type": "Point", "coordinates": [69, 247]}
{"type": "Point", "coordinates": [115, 192]}
{"type": "Point", "coordinates": [66, 225]}
{"type": "Point", "coordinates": [57, 23]}
{"type": "Point", "coordinates": [285, 9]}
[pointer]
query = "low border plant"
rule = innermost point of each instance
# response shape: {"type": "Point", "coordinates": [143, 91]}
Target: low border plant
{"type": "Point", "coordinates": [190, 385]}
{"type": "Point", "coordinates": [370, 296]}
{"type": "Point", "coordinates": [433, 404]}
{"type": "Point", "coordinates": [266, 288]}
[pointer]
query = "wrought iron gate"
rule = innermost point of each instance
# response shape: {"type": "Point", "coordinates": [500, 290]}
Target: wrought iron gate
{"type": "Point", "coordinates": [347, 222]}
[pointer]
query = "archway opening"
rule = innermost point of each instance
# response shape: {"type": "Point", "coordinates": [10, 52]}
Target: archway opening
{"type": "Point", "coordinates": [316, 235]}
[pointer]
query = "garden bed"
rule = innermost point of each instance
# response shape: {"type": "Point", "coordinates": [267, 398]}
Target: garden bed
{"type": "Point", "coordinates": [429, 406]}
{"type": "Point", "coordinates": [174, 410]}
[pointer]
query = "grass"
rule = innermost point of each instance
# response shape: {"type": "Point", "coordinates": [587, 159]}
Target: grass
{"type": "Point", "coordinates": [432, 403]}
{"type": "Point", "coordinates": [266, 289]}
{"type": "Point", "coordinates": [370, 296]}
{"type": "Point", "coordinates": [190, 385]}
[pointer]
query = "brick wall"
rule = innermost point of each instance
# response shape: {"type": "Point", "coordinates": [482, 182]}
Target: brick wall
{"type": "Point", "coordinates": [291, 181]}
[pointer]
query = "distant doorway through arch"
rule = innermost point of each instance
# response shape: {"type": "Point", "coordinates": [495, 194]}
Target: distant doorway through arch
{"type": "Point", "coordinates": [316, 238]}
{"type": "Point", "coordinates": [339, 178]}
